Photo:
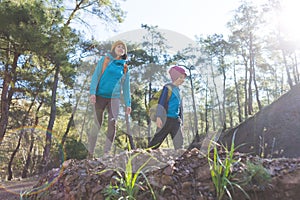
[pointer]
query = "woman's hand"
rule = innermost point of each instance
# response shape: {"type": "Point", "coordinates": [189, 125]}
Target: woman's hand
{"type": "Point", "coordinates": [159, 122]}
{"type": "Point", "coordinates": [93, 99]}
{"type": "Point", "coordinates": [128, 110]}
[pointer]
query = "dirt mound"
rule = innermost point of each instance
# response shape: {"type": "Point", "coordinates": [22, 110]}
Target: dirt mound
{"type": "Point", "coordinates": [272, 132]}
{"type": "Point", "coordinates": [184, 177]}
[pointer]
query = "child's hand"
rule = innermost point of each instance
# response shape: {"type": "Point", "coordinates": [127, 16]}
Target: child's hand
{"type": "Point", "coordinates": [159, 122]}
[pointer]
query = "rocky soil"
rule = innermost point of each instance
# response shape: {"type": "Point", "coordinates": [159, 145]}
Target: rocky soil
{"type": "Point", "coordinates": [273, 133]}
{"type": "Point", "coordinates": [172, 175]}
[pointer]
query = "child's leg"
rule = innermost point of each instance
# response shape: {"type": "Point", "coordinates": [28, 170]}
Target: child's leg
{"type": "Point", "coordinates": [176, 134]}
{"type": "Point", "coordinates": [160, 135]}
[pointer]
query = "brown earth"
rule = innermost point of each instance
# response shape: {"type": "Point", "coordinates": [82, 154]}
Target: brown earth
{"type": "Point", "coordinates": [173, 175]}
{"type": "Point", "coordinates": [273, 133]}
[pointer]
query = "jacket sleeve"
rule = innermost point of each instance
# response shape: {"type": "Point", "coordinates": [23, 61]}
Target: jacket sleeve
{"type": "Point", "coordinates": [126, 89]}
{"type": "Point", "coordinates": [96, 76]}
{"type": "Point", "coordinates": [163, 103]}
{"type": "Point", "coordinates": [181, 111]}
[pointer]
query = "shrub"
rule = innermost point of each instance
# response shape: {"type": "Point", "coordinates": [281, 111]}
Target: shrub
{"type": "Point", "coordinates": [220, 169]}
{"type": "Point", "coordinates": [256, 174]}
{"type": "Point", "coordinates": [127, 183]}
{"type": "Point", "coordinates": [75, 149]}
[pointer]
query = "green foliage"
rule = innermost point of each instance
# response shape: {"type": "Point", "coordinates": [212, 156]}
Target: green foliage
{"type": "Point", "coordinates": [75, 149]}
{"type": "Point", "coordinates": [27, 23]}
{"type": "Point", "coordinates": [256, 174]}
{"type": "Point", "coordinates": [220, 169]}
{"type": "Point", "coordinates": [138, 106]}
{"type": "Point", "coordinates": [112, 192]}
{"type": "Point", "coordinates": [127, 181]}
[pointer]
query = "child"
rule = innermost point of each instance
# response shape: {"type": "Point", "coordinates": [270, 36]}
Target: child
{"type": "Point", "coordinates": [173, 107]}
{"type": "Point", "coordinates": [105, 89]}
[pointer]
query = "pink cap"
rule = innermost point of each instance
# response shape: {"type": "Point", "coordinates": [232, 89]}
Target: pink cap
{"type": "Point", "coordinates": [175, 72]}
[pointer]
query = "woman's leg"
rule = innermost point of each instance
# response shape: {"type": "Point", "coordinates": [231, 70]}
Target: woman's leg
{"type": "Point", "coordinates": [113, 111]}
{"type": "Point", "coordinates": [99, 108]}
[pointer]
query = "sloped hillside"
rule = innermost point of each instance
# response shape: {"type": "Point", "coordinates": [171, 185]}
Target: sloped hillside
{"type": "Point", "coordinates": [274, 131]}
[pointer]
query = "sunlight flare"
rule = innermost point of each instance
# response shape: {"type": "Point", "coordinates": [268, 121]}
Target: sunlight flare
{"type": "Point", "coordinates": [289, 19]}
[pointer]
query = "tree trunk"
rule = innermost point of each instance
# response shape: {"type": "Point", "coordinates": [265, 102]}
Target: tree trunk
{"type": "Point", "coordinates": [46, 155]}
{"type": "Point", "coordinates": [250, 96]}
{"type": "Point", "coordinates": [28, 160]}
{"type": "Point", "coordinates": [296, 71]}
{"type": "Point", "coordinates": [206, 109]}
{"type": "Point", "coordinates": [149, 120]}
{"type": "Point", "coordinates": [237, 95]}
{"type": "Point", "coordinates": [217, 97]}
{"type": "Point", "coordinates": [213, 115]}
{"type": "Point", "coordinates": [194, 105]}
{"type": "Point", "coordinates": [245, 89]}
{"type": "Point", "coordinates": [71, 119]}
{"type": "Point", "coordinates": [9, 167]}
{"type": "Point", "coordinates": [10, 175]}
{"type": "Point", "coordinates": [224, 95]}
{"type": "Point", "coordinates": [84, 121]}
{"type": "Point", "coordinates": [7, 93]}
{"type": "Point", "coordinates": [290, 82]}
{"type": "Point", "coordinates": [256, 90]}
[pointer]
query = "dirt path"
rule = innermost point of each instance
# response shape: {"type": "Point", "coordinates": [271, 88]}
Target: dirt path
{"type": "Point", "coordinates": [10, 190]}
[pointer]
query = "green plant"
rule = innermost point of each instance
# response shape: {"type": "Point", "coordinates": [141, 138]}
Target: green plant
{"type": "Point", "coordinates": [127, 181]}
{"type": "Point", "coordinates": [257, 174]}
{"type": "Point", "coordinates": [220, 169]}
{"type": "Point", "coordinates": [75, 149]}
{"type": "Point", "coordinates": [111, 192]}
{"type": "Point", "coordinates": [24, 195]}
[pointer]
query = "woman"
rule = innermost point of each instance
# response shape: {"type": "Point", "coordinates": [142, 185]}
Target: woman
{"type": "Point", "coordinates": [110, 76]}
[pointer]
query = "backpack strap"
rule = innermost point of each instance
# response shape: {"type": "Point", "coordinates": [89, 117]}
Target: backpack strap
{"type": "Point", "coordinates": [169, 86]}
{"type": "Point", "coordinates": [105, 63]}
{"type": "Point", "coordinates": [125, 68]}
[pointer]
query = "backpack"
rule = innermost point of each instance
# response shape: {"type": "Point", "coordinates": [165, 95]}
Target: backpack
{"type": "Point", "coordinates": [153, 103]}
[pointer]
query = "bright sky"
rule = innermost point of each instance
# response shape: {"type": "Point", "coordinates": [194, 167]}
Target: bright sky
{"type": "Point", "coordinates": [189, 17]}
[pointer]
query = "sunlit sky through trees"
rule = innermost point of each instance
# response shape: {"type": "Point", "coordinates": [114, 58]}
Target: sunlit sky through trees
{"type": "Point", "coordinates": [191, 17]}
{"type": "Point", "coordinates": [289, 19]}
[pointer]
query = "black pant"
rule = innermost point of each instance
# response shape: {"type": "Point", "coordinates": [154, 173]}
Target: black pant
{"type": "Point", "coordinates": [112, 106]}
{"type": "Point", "coordinates": [172, 126]}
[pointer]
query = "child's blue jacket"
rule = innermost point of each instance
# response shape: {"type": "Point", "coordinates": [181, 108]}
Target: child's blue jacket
{"type": "Point", "coordinates": [173, 107]}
